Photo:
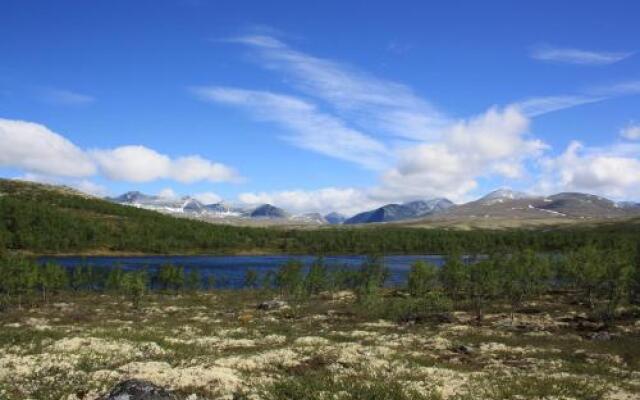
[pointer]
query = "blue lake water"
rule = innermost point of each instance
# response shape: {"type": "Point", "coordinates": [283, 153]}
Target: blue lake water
{"type": "Point", "coordinates": [229, 271]}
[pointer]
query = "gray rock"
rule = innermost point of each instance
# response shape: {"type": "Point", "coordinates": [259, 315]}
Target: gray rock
{"type": "Point", "coordinates": [134, 389]}
{"type": "Point", "coordinates": [463, 349]}
{"type": "Point", "coordinates": [602, 335]}
{"type": "Point", "coordinates": [271, 305]}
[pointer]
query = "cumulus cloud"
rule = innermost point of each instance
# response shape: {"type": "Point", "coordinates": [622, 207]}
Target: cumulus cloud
{"type": "Point", "coordinates": [141, 164]}
{"type": "Point", "coordinates": [167, 193]}
{"type": "Point", "coordinates": [494, 143]}
{"type": "Point", "coordinates": [577, 56]}
{"type": "Point", "coordinates": [309, 128]}
{"type": "Point", "coordinates": [345, 200]}
{"type": "Point", "coordinates": [35, 148]}
{"type": "Point", "coordinates": [611, 171]}
{"type": "Point", "coordinates": [207, 197]}
{"type": "Point", "coordinates": [631, 132]}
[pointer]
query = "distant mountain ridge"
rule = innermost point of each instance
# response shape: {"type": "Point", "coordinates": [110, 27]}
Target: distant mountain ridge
{"type": "Point", "coordinates": [499, 204]}
{"type": "Point", "coordinates": [399, 212]}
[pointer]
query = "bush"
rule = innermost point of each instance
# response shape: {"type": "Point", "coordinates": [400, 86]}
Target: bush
{"type": "Point", "coordinates": [289, 278]}
{"type": "Point", "coordinates": [422, 279]}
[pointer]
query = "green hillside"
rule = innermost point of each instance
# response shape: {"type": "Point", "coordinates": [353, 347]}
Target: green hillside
{"type": "Point", "coordinates": [50, 219]}
{"type": "Point", "coordinates": [43, 218]}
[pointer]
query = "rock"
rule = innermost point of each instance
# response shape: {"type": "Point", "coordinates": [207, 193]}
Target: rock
{"type": "Point", "coordinates": [602, 335]}
{"type": "Point", "coordinates": [271, 305]}
{"type": "Point", "coordinates": [135, 389]}
{"type": "Point", "coordinates": [463, 349]}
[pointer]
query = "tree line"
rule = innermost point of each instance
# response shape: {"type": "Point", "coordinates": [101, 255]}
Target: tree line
{"type": "Point", "coordinates": [600, 280]}
{"type": "Point", "coordinates": [51, 222]}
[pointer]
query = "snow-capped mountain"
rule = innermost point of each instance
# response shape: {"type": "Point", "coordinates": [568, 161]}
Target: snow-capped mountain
{"type": "Point", "coordinates": [504, 194]}
{"type": "Point", "coordinates": [499, 204]}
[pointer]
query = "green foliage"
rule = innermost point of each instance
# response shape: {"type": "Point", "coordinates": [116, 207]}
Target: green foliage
{"type": "Point", "coordinates": [401, 310]}
{"type": "Point", "coordinates": [51, 278]}
{"type": "Point", "coordinates": [193, 281]}
{"type": "Point", "coordinates": [483, 284]}
{"type": "Point", "coordinates": [423, 278]}
{"type": "Point", "coordinates": [317, 278]}
{"type": "Point", "coordinates": [523, 275]}
{"type": "Point", "coordinates": [454, 275]}
{"type": "Point", "coordinates": [289, 278]}
{"type": "Point", "coordinates": [250, 279]}
{"type": "Point", "coordinates": [134, 286]}
{"type": "Point", "coordinates": [171, 277]}
{"type": "Point", "coordinates": [371, 277]}
{"type": "Point", "coordinates": [41, 219]}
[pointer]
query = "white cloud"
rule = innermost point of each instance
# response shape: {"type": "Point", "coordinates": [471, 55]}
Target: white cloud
{"type": "Point", "coordinates": [494, 143]}
{"type": "Point", "coordinates": [611, 171]}
{"type": "Point", "coordinates": [577, 56]}
{"type": "Point", "coordinates": [141, 164]}
{"type": "Point", "coordinates": [536, 106]}
{"type": "Point", "coordinates": [309, 128]}
{"type": "Point", "coordinates": [207, 197]}
{"type": "Point", "coordinates": [631, 132]}
{"type": "Point", "coordinates": [65, 97]}
{"type": "Point", "coordinates": [380, 105]}
{"type": "Point", "coordinates": [167, 193]}
{"type": "Point", "coordinates": [82, 185]}
{"type": "Point", "coordinates": [34, 148]}
{"type": "Point", "coordinates": [348, 201]}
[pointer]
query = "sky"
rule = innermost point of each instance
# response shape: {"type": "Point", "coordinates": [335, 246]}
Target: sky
{"type": "Point", "coordinates": [335, 106]}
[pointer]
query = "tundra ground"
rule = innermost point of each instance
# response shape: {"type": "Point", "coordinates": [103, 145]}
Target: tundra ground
{"type": "Point", "coordinates": [221, 346]}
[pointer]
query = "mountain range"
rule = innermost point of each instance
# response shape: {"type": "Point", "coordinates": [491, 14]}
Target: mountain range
{"type": "Point", "coordinates": [501, 204]}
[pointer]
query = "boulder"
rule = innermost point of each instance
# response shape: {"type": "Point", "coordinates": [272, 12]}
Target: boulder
{"type": "Point", "coordinates": [135, 389]}
{"type": "Point", "coordinates": [272, 305]}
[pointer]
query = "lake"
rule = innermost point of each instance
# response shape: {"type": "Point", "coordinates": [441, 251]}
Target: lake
{"type": "Point", "coordinates": [229, 271]}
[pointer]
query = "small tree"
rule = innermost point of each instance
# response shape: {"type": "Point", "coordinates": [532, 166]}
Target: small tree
{"type": "Point", "coordinates": [371, 278]}
{"type": "Point", "coordinates": [211, 282]}
{"type": "Point", "coordinates": [250, 279]}
{"type": "Point", "coordinates": [134, 286]}
{"type": "Point", "coordinates": [193, 280]}
{"type": "Point", "coordinates": [616, 281]}
{"type": "Point", "coordinates": [454, 275]}
{"type": "Point", "coordinates": [523, 275]}
{"type": "Point", "coordinates": [585, 269]}
{"type": "Point", "coordinates": [316, 279]}
{"type": "Point", "coordinates": [289, 278]}
{"type": "Point", "coordinates": [115, 280]}
{"type": "Point", "coordinates": [51, 278]}
{"type": "Point", "coordinates": [423, 278]}
{"type": "Point", "coordinates": [171, 277]}
{"type": "Point", "coordinates": [483, 285]}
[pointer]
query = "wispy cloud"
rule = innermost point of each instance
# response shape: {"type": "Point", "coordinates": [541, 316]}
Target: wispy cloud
{"type": "Point", "coordinates": [536, 106]}
{"type": "Point", "coordinates": [631, 131]}
{"type": "Point", "coordinates": [65, 97]}
{"type": "Point", "coordinates": [577, 56]}
{"type": "Point", "coordinates": [382, 106]}
{"type": "Point", "coordinates": [308, 127]}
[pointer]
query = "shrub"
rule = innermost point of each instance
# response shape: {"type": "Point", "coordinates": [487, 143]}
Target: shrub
{"type": "Point", "coordinates": [422, 279]}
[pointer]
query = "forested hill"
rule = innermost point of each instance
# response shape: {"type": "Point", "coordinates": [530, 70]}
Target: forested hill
{"type": "Point", "coordinates": [49, 219]}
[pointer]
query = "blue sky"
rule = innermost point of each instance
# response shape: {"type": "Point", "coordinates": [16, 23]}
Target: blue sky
{"type": "Point", "coordinates": [313, 107]}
